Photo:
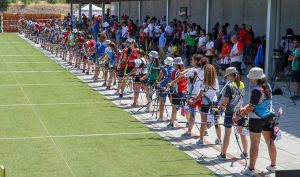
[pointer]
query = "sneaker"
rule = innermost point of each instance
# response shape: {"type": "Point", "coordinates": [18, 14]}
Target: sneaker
{"type": "Point", "coordinates": [218, 141]}
{"type": "Point", "coordinates": [170, 125]}
{"type": "Point", "coordinates": [222, 157]}
{"type": "Point", "coordinates": [95, 80]}
{"type": "Point", "coordinates": [248, 172]}
{"type": "Point", "coordinates": [200, 143]}
{"type": "Point", "coordinates": [104, 84]}
{"type": "Point", "coordinates": [160, 119]}
{"type": "Point", "coordinates": [244, 156]}
{"type": "Point", "coordinates": [121, 95]}
{"type": "Point", "coordinates": [186, 135]}
{"type": "Point", "coordinates": [271, 169]}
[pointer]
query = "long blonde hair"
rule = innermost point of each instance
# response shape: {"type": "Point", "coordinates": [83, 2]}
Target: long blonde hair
{"type": "Point", "coordinates": [210, 76]}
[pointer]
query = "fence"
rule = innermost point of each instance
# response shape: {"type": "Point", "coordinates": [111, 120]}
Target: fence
{"type": "Point", "coordinates": [10, 20]}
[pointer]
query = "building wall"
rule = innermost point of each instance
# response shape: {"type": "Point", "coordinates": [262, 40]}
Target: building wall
{"type": "Point", "coordinates": [252, 12]}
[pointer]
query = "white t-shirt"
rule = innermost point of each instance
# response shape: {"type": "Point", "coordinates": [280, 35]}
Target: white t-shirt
{"type": "Point", "coordinates": [124, 31]}
{"type": "Point", "coordinates": [201, 41]}
{"type": "Point", "coordinates": [150, 29]}
{"type": "Point", "coordinates": [211, 93]}
{"type": "Point", "coordinates": [138, 63]}
{"type": "Point", "coordinates": [209, 45]}
{"type": "Point", "coordinates": [235, 50]}
{"type": "Point", "coordinates": [146, 30]}
{"type": "Point", "coordinates": [197, 82]}
{"type": "Point", "coordinates": [169, 30]}
{"type": "Point", "coordinates": [157, 30]}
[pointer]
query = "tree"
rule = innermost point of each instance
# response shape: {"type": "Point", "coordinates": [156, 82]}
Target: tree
{"type": "Point", "coordinates": [4, 4]}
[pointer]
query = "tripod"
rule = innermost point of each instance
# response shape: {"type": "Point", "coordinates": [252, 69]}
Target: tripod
{"type": "Point", "coordinates": [155, 102]}
{"type": "Point", "coordinates": [277, 60]}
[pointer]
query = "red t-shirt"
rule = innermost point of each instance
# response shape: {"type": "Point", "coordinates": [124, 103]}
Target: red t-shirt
{"type": "Point", "coordinates": [243, 34]}
{"type": "Point", "coordinates": [226, 50]}
{"type": "Point", "coordinates": [182, 85]}
{"type": "Point", "coordinates": [130, 57]}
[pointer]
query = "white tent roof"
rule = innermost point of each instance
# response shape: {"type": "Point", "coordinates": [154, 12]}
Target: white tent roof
{"type": "Point", "coordinates": [85, 10]}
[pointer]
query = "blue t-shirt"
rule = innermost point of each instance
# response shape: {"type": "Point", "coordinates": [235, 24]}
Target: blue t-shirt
{"type": "Point", "coordinates": [119, 34]}
{"type": "Point", "coordinates": [167, 72]}
{"type": "Point", "coordinates": [96, 28]}
{"type": "Point", "coordinates": [100, 49]}
{"type": "Point", "coordinates": [112, 58]}
{"type": "Point", "coordinates": [162, 40]}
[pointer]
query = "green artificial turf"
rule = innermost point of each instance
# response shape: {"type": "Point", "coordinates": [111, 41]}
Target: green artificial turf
{"type": "Point", "coordinates": [40, 104]}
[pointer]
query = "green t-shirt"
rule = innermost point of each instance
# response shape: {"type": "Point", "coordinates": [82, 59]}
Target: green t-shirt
{"type": "Point", "coordinates": [296, 62]}
{"type": "Point", "coordinates": [190, 40]}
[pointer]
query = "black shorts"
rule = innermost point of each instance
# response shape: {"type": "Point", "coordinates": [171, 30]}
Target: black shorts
{"type": "Point", "coordinates": [205, 108]}
{"type": "Point", "coordinates": [121, 71]}
{"type": "Point", "coordinates": [137, 79]}
{"type": "Point", "coordinates": [259, 125]}
{"type": "Point", "coordinates": [178, 99]}
{"type": "Point", "coordinates": [295, 75]}
{"type": "Point", "coordinates": [228, 120]}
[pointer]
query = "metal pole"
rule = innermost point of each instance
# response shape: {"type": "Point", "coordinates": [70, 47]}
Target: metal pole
{"type": "Point", "coordinates": [278, 21]}
{"type": "Point", "coordinates": [103, 11]}
{"type": "Point", "coordinates": [167, 11]}
{"type": "Point", "coordinates": [119, 10]}
{"type": "Point", "coordinates": [140, 13]}
{"type": "Point", "coordinates": [208, 8]}
{"type": "Point", "coordinates": [71, 13]}
{"type": "Point", "coordinates": [270, 36]}
{"type": "Point", "coordinates": [79, 13]}
{"type": "Point", "coordinates": [90, 10]}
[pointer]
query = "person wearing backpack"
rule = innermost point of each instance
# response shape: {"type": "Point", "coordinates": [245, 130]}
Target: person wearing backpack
{"type": "Point", "coordinates": [234, 92]}
{"type": "Point", "coordinates": [208, 93]}
{"type": "Point", "coordinates": [163, 79]}
{"type": "Point", "coordinates": [261, 116]}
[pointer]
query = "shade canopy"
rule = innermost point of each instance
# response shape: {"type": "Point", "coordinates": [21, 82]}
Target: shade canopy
{"type": "Point", "coordinates": [85, 10]}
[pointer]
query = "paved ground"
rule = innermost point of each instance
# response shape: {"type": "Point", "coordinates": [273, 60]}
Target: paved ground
{"type": "Point", "coordinates": [288, 153]}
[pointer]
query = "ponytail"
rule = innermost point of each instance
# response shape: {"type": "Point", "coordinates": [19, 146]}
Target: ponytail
{"type": "Point", "coordinates": [265, 86]}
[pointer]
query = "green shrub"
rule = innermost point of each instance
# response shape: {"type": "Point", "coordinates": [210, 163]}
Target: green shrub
{"type": "Point", "coordinates": [51, 1]}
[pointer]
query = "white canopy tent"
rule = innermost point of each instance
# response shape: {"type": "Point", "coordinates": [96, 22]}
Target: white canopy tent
{"type": "Point", "coordinates": [85, 10]}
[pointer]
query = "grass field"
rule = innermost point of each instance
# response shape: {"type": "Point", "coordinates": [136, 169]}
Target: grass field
{"type": "Point", "coordinates": [42, 109]}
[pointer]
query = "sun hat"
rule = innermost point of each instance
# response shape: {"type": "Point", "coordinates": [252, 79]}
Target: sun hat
{"type": "Point", "coordinates": [108, 42]}
{"type": "Point", "coordinates": [178, 61]}
{"type": "Point", "coordinates": [153, 54]}
{"type": "Point", "coordinates": [230, 70]}
{"type": "Point", "coordinates": [169, 61]}
{"type": "Point", "coordinates": [256, 73]}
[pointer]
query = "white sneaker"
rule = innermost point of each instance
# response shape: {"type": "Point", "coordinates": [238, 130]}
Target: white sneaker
{"type": "Point", "coordinates": [160, 119]}
{"type": "Point", "coordinates": [248, 172]}
{"type": "Point", "coordinates": [271, 169]}
{"type": "Point", "coordinates": [218, 142]}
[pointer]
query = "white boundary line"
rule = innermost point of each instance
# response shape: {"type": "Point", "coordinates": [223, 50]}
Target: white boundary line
{"type": "Point", "coordinates": [42, 123]}
{"type": "Point", "coordinates": [50, 104]}
{"type": "Point", "coordinates": [75, 136]}
{"type": "Point", "coordinates": [31, 62]}
{"type": "Point", "coordinates": [57, 71]}
{"type": "Point", "coordinates": [63, 84]}
{"type": "Point", "coordinates": [20, 55]}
